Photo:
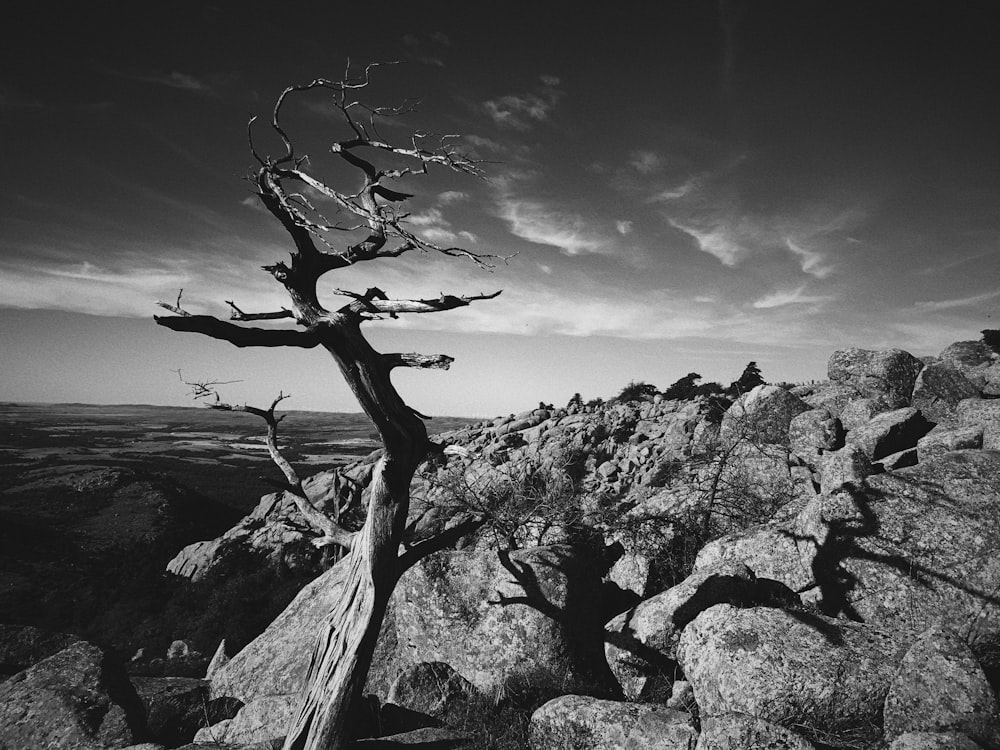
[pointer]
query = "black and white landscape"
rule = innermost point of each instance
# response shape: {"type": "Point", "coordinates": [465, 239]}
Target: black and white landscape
{"type": "Point", "coordinates": [725, 271]}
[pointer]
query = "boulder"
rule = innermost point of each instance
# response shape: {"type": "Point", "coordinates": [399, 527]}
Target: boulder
{"type": "Point", "coordinates": [578, 722]}
{"type": "Point", "coordinates": [264, 719]}
{"type": "Point", "coordinates": [177, 707]}
{"type": "Point", "coordinates": [965, 355]}
{"type": "Point", "coordinates": [977, 412]}
{"type": "Point", "coordinates": [830, 396]}
{"type": "Point", "coordinates": [942, 440]}
{"type": "Point", "coordinates": [919, 547]}
{"type": "Point", "coordinates": [789, 667]}
{"type": "Point", "coordinates": [938, 389]}
{"type": "Point", "coordinates": [860, 411]}
{"type": "Point", "coordinates": [890, 373]}
{"type": "Point", "coordinates": [274, 529]}
{"type": "Point", "coordinates": [505, 620]}
{"type": "Point", "coordinates": [940, 687]}
{"type": "Point", "coordinates": [813, 433]}
{"type": "Point", "coordinates": [761, 416]}
{"type": "Point", "coordinates": [275, 662]}
{"type": "Point", "coordinates": [432, 688]}
{"type": "Point", "coordinates": [889, 433]}
{"type": "Point", "coordinates": [641, 644]}
{"type": "Point", "coordinates": [907, 550]}
{"type": "Point", "coordinates": [735, 731]}
{"type": "Point", "coordinates": [77, 699]}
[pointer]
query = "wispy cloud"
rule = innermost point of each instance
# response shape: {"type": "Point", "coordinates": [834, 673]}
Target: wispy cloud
{"type": "Point", "coordinates": [788, 297]}
{"type": "Point", "coordinates": [523, 111]}
{"type": "Point", "coordinates": [811, 261]}
{"type": "Point", "coordinates": [536, 222]}
{"type": "Point", "coordinates": [452, 196]}
{"type": "Point", "coordinates": [172, 79]}
{"type": "Point", "coordinates": [718, 241]}
{"type": "Point", "coordinates": [645, 162]}
{"type": "Point", "coordinates": [624, 227]}
{"type": "Point", "coordinates": [948, 304]}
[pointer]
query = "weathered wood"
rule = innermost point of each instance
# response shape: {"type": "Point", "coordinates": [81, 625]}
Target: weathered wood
{"type": "Point", "coordinates": [344, 648]}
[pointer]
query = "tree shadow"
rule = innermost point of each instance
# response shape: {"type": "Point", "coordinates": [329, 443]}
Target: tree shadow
{"type": "Point", "coordinates": [858, 535]}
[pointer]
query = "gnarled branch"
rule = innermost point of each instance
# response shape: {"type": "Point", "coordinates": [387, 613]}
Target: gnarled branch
{"type": "Point", "coordinates": [238, 335]}
{"type": "Point", "coordinates": [375, 301]}
{"type": "Point", "coordinates": [438, 542]}
{"type": "Point", "coordinates": [237, 314]}
{"type": "Point", "coordinates": [432, 361]}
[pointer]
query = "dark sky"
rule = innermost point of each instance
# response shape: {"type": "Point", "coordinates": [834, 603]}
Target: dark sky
{"type": "Point", "coordinates": [686, 188]}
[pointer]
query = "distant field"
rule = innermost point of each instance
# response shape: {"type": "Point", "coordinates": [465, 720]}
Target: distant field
{"type": "Point", "coordinates": [218, 454]}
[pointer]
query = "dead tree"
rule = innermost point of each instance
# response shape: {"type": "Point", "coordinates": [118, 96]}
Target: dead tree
{"type": "Point", "coordinates": [374, 226]}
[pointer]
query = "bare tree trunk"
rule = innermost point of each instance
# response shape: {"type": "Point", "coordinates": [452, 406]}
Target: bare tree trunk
{"type": "Point", "coordinates": [346, 645]}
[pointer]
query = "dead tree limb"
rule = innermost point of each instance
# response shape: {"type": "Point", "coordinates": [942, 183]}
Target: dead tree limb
{"type": "Point", "coordinates": [375, 218]}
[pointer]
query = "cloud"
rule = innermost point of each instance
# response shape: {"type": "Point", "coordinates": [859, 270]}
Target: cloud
{"type": "Point", "coordinates": [438, 235]}
{"type": "Point", "coordinates": [173, 79]}
{"type": "Point", "coordinates": [718, 241]}
{"type": "Point", "coordinates": [427, 218]}
{"type": "Point", "coordinates": [624, 227]}
{"type": "Point", "coordinates": [452, 196]}
{"type": "Point", "coordinates": [535, 222]}
{"type": "Point", "coordinates": [673, 193]}
{"type": "Point", "coordinates": [788, 297]}
{"type": "Point", "coordinates": [949, 304]}
{"type": "Point", "coordinates": [811, 261]}
{"type": "Point", "coordinates": [645, 162]}
{"type": "Point", "coordinates": [523, 111]}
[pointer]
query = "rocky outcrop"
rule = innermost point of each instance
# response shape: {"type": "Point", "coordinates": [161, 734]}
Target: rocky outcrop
{"type": "Point", "coordinates": [789, 667]}
{"type": "Point", "coordinates": [641, 644]}
{"type": "Point", "coordinates": [763, 415]}
{"type": "Point", "coordinates": [577, 722]}
{"type": "Point", "coordinates": [504, 620]}
{"type": "Point", "coordinates": [975, 412]}
{"type": "Point", "coordinates": [940, 687]}
{"type": "Point", "coordinates": [889, 433]}
{"type": "Point", "coordinates": [76, 699]}
{"type": "Point", "coordinates": [938, 389]}
{"type": "Point", "coordinates": [889, 373]}
{"type": "Point", "coordinates": [942, 440]}
{"type": "Point", "coordinates": [274, 530]}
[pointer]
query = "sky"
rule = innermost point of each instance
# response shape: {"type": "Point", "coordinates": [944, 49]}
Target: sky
{"type": "Point", "coordinates": [681, 188]}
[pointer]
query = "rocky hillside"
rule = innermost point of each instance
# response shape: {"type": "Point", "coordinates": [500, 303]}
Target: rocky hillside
{"type": "Point", "coordinates": [809, 567]}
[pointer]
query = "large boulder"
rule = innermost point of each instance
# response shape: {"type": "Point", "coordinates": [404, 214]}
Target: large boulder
{"type": "Point", "coordinates": [938, 389]}
{"type": "Point", "coordinates": [984, 413]}
{"type": "Point", "coordinates": [974, 359]}
{"type": "Point", "coordinates": [908, 549]}
{"type": "Point", "coordinates": [77, 699]}
{"type": "Point", "coordinates": [504, 620]}
{"type": "Point", "coordinates": [942, 440]}
{"type": "Point", "coordinates": [860, 411]}
{"type": "Point", "coordinates": [579, 722]}
{"type": "Point", "coordinates": [890, 433]}
{"type": "Point", "coordinates": [934, 741]}
{"type": "Point", "coordinates": [813, 433]}
{"type": "Point", "coordinates": [641, 644]}
{"type": "Point", "coordinates": [890, 373]}
{"type": "Point", "coordinates": [941, 688]}
{"type": "Point", "coordinates": [276, 661]}
{"type": "Point", "coordinates": [789, 667]}
{"type": "Point", "coordinates": [761, 416]}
